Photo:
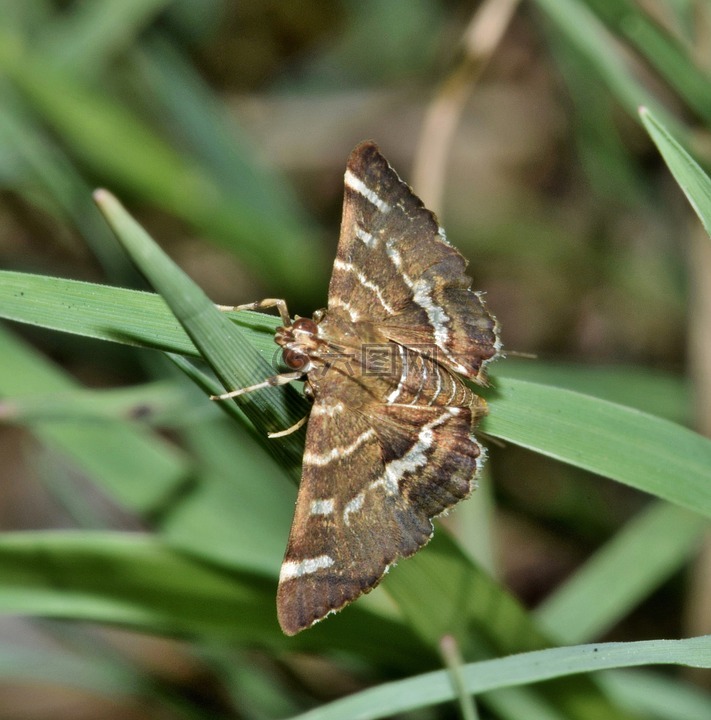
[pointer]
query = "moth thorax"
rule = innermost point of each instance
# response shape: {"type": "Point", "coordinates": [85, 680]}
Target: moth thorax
{"type": "Point", "coordinates": [299, 341]}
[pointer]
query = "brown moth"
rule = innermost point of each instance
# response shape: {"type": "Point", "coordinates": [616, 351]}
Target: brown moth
{"type": "Point", "coordinates": [389, 443]}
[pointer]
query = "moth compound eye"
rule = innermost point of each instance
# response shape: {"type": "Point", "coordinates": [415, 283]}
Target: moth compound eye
{"type": "Point", "coordinates": [305, 325]}
{"type": "Point", "coordinates": [295, 359]}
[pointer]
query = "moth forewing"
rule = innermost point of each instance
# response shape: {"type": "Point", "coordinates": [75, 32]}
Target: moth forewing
{"type": "Point", "coordinates": [389, 443]}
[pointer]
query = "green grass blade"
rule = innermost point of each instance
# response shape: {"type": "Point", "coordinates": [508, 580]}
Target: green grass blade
{"type": "Point", "coordinates": [432, 688]}
{"type": "Point", "coordinates": [111, 139]}
{"type": "Point", "coordinates": [651, 694]}
{"type": "Point", "coordinates": [160, 403]}
{"type": "Point", "coordinates": [653, 391]}
{"type": "Point", "coordinates": [453, 661]}
{"type": "Point", "coordinates": [637, 449]}
{"type": "Point", "coordinates": [513, 703]}
{"type": "Point", "coordinates": [129, 579]}
{"type": "Point", "coordinates": [653, 545]}
{"type": "Point", "coordinates": [130, 317]}
{"type": "Point", "coordinates": [85, 39]}
{"type": "Point", "coordinates": [239, 510]}
{"type": "Point", "coordinates": [640, 450]}
{"type": "Point", "coordinates": [137, 468]}
{"type": "Point", "coordinates": [41, 163]}
{"type": "Point", "coordinates": [442, 592]}
{"type": "Point", "coordinates": [99, 676]}
{"type": "Point", "coordinates": [691, 178]}
{"type": "Point", "coordinates": [213, 136]}
{"type": "Point", "coordinates": [664, 50]}
{"type": "Point", "coordinates": [138, 581]}
{"type": "Point", "coordinates": [594, 42]}
{"type": "Point", "coordinates": [221, 343]}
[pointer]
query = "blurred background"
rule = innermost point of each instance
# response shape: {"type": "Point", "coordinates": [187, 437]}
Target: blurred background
{"type": "Point", "coordinates": [224, 127]}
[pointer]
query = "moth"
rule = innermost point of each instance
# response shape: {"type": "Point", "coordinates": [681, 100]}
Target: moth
{"type": "Point", "coordinates": [389, 443]}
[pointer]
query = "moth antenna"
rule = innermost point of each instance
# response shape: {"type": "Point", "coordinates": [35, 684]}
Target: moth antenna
{"type": "Point", "coordinates": [522, 354]}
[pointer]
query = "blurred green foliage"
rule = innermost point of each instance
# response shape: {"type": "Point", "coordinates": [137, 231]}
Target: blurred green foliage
{"type": "Point", "coordinates": [132, 502]}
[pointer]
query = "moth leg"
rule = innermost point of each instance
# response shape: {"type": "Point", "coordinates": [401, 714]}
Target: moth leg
{"type": "Point", "coordinates": [265, 304]}
{"type": "Point", "coordinates": [273, 381]}
{"type": "Point", "coordinates": [296, 426]}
